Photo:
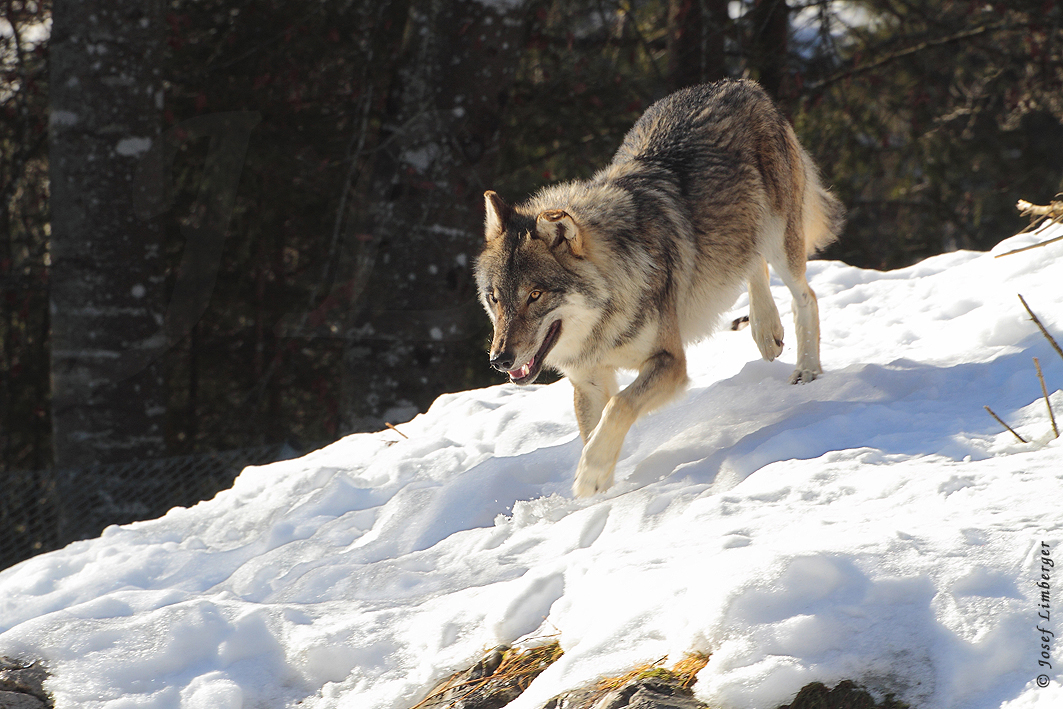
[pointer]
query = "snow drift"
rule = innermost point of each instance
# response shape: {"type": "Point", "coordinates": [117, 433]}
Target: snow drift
{"type": "Point", "coordinates": [874, 525]}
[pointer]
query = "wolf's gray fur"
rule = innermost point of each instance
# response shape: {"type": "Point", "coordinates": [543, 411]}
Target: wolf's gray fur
{"type": "Point", "coordinates": [623, 270]}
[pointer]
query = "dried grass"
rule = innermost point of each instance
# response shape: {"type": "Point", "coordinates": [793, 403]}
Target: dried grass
{"type": "Point", "coordinates": [687, 669]}
{"type": "Point", "coordinates": [684, 673]}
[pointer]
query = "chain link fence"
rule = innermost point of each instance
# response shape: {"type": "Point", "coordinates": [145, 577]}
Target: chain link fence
{"type": "Point", "coordinates": [42, 510]}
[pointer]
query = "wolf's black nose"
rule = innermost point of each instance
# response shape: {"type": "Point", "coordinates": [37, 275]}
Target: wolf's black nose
{"type": "Point", "coordinates": [503, 361]}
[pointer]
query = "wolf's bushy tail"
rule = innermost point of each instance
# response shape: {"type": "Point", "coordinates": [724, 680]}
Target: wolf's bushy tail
{"type": "Point", "coordinates": [824, 214]}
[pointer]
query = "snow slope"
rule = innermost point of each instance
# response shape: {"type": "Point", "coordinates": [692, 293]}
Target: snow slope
{"type": "Point", "coordinates": [874, 525]}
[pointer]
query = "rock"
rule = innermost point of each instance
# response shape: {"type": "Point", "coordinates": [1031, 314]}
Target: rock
{"type": "Point", "coordinates": [493, 682]}
{"type": "Point", "coordinates": [464, 690]}
{"type": "Point", "coordinates": [847, 695]}
{"type": "Point", "coordinates": [658, 690]}
{"type": "Point", "coordinates": [18, 700]}
{"type": "Point", "coordinates": [22, 685]}
{"type": "Point", "coordinates": [503, 674]}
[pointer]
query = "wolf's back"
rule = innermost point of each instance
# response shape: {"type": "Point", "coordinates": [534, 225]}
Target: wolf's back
{"type": "Point", "coordinates": [708, 135]}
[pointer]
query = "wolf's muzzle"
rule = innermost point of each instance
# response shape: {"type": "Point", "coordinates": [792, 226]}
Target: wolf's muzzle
{"type": "Point", "coordinates": [503, 361]}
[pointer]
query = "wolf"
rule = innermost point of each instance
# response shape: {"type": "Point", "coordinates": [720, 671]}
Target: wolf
{"type": "Point", "coordinates": [621, 271]}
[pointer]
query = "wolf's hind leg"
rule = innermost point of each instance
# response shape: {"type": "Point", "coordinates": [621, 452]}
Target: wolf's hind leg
{"type": "Point", "coordinates": [764, 322]}
{"type": "Point", "coordinates": [660, 378]}
{"type": "Point", "coordinates": [806, 322]}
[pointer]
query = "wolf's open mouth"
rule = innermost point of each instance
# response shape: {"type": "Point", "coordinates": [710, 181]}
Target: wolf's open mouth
{"type": "Point", "coordinates": [527, 373]}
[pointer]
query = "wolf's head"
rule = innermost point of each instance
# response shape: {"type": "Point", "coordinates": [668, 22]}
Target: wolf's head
{"type": "Point", "coordinates": [526, 275]}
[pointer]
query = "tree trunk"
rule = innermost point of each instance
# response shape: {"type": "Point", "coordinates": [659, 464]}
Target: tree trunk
{"type": "Point", "coordinates": [107, 281]}
{"type": "Point", "coordinates": [695, 42]}
{"type": "Point", "coordinates": [410, 248]}
{"type": "Point", "coordinates": [769, 33]}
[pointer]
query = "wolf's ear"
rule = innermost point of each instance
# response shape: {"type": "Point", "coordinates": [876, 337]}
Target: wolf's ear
{"type": "Point", "coordinates": [497, 214]}
{"type": "Point", "coordinates": [555, 227]}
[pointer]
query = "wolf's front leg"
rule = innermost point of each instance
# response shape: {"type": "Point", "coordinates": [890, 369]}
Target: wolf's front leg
{"type": "Point", "coordinates": [660, 378]}
{"type": "Point", "coordinates": [591, 392]}
{"type": "Point", "coordinates": [764, 320]}
{"type": "Point", "coordinates": [596, 464]}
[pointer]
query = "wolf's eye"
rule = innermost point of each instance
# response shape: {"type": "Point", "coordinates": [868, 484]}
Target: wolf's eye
{"type": "Point", "coordinates": [534, 296]}
{"type": "Point", "coordinates": [491, 297]}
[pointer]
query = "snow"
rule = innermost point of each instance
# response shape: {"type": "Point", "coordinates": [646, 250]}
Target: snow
{"type": "Point", "coordinates": [875, 525]}
{"type": "Point", "coordinates": [132, 147]}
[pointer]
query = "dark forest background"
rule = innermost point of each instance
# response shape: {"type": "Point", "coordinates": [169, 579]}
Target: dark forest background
{"type": "Point", "coordinates": [230, 223]}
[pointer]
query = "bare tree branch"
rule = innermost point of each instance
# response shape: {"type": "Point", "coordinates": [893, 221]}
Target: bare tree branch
{"type": "Point", "coordinates": [1001, 422]}
{"type": "Point", "coordinates": [1044, 332]}
{"type": "Point", "coordinates": [907, 52]}
{"type": "Point", "coordinates": [1044, 390]}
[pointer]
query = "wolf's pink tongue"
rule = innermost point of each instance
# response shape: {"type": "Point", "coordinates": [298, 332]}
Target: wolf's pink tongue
{"type": "Point", "coordinates": [520, 373]}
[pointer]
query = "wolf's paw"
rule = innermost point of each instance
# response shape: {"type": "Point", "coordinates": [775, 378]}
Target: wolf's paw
{"type": "Point", "coordinates": [584, 488]}
{"type": "Point", "coordinates": [768, 334]}
{"type": "Point", "coordinates": [593, 474]}
{"type": "Point", "coordinates": [768, 338]}
{"type": "Point", "coordinates": [804, 376]}
{"type": "Point", "coordinates": [770, 345]}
